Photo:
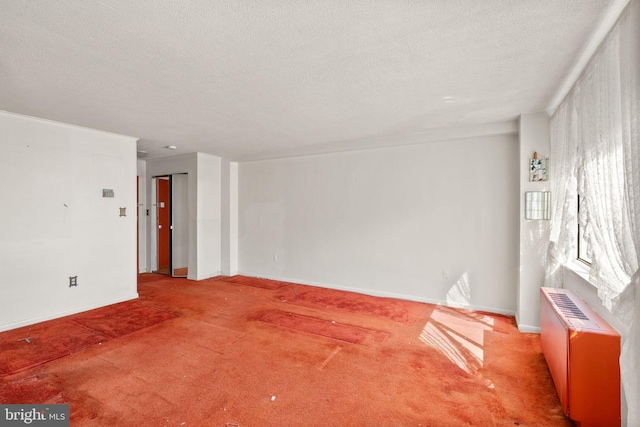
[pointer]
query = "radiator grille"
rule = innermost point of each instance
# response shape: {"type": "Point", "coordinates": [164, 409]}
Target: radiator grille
{"type": "Point", "coordinates": [567, 306]}
{"type": "Point", "coordinates": [582, 352]}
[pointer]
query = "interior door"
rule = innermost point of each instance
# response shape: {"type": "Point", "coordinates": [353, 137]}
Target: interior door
{"type": "Point", "coordinates": [163, 215]}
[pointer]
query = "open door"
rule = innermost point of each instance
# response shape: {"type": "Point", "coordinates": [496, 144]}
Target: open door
{"type": "Point", "coordinates": [170, 241]}
{"type": "Point", "coordinates": [163, 223]}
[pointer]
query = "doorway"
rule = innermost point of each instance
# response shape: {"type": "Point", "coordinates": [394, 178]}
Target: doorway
{"type": "Point", "coordinates": [170, 241]}
{"type": "Point", "coordinates": [163, 218]}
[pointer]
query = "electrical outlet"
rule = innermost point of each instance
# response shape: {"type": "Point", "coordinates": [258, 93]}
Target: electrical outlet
{"type": "Point", "coordinates": [445, 274]}
{"type": "Point", "coordinates": [73, 281]}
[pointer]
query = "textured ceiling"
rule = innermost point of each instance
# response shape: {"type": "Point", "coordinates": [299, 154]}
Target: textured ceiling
{"type": "Point", "coordinates": [242, 79]}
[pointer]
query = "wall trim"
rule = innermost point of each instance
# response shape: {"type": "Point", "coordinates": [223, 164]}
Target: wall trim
{"type": "Point", "coordinates": [527, 328]}
{"type": "Point", "coordinates": [71, 125]}
{"type": "Point", "coordinates": [602, 31]}
{"type": "Point", "coordinates": [383, 294]}
{"type": "Point", "coordinates": [426, 136]}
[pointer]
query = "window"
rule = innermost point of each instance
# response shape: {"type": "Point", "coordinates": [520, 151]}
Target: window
{"type": "Point", "coordinates": [582, 245]}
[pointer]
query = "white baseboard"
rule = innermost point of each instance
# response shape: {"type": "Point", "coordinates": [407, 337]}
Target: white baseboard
{"type": "Point", "coordinates": [385, 294]}
{"type": "Point", "coordinates": [527, 328]}
{"type": "Point", "coordinates": [34, 320]}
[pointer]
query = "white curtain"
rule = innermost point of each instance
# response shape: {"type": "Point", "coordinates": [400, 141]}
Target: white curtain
{"type": "Point", "coordinates": [563, 173]}
{"type": "Point", "coordinates": [594, 139]}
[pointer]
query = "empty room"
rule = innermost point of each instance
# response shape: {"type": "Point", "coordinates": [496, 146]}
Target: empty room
{"type": "Point", "coordinates": [332, 213]}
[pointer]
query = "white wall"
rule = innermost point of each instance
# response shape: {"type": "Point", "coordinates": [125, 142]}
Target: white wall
{"type": "Point", "coordinates": [209, 216]}
{"type": "Point", "coordinates": [180, 223]}
{"type": "Point", "coordinates": [56, 224]}
{"type": "Point", "coordinates": [434, 222]}
{"type": "Point", "coordinates": [534, 234]}
{"type": "Point", "coordinates": [141, 168]}
{"type": "Point", "coordinates": [233, 219]}
{"type": "Point", "coordinates": [229, 218]}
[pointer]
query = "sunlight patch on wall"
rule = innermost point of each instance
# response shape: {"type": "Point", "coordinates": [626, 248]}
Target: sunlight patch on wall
{"type": "Point", "coordinates": [460, 293]}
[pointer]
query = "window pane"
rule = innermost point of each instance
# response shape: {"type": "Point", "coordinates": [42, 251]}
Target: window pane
{"type": "Point", "coordinates": [582, 244]}
{"type": "Point", "coordinates": [582, 247]}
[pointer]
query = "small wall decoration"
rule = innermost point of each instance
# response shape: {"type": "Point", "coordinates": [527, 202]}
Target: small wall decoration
{"type": "Point", "coordinates": [537, 205]}
{"type": "Point", "coordinates": [539, 168]}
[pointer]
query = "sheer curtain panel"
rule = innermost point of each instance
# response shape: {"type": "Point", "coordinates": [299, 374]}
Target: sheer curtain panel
{"type": "Point", "coordinates": [594, 140]}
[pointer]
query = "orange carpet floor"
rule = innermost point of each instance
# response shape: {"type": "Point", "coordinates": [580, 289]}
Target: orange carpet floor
{"type": "Point", "coordinates": [243, 352]}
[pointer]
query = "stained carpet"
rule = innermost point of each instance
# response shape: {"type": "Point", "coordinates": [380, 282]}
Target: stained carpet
{"type": "Point", "coordinates": [34, 345]}
{"type": "Point", "coordinates": [388, 308]}
{"type": "Point", "coordinates": [253, 281]}
{"type": "Point", "coordinates": [238, 352]}
{"type": "Point", "coordinates": [326, 328]}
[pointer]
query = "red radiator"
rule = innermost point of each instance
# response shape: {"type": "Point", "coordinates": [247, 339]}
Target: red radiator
{"type": "Point", "coordinates": [583, 353]}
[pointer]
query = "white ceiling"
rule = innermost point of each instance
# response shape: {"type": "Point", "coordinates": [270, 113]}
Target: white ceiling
{"type": "Point", "coordinates": [247, 79]}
